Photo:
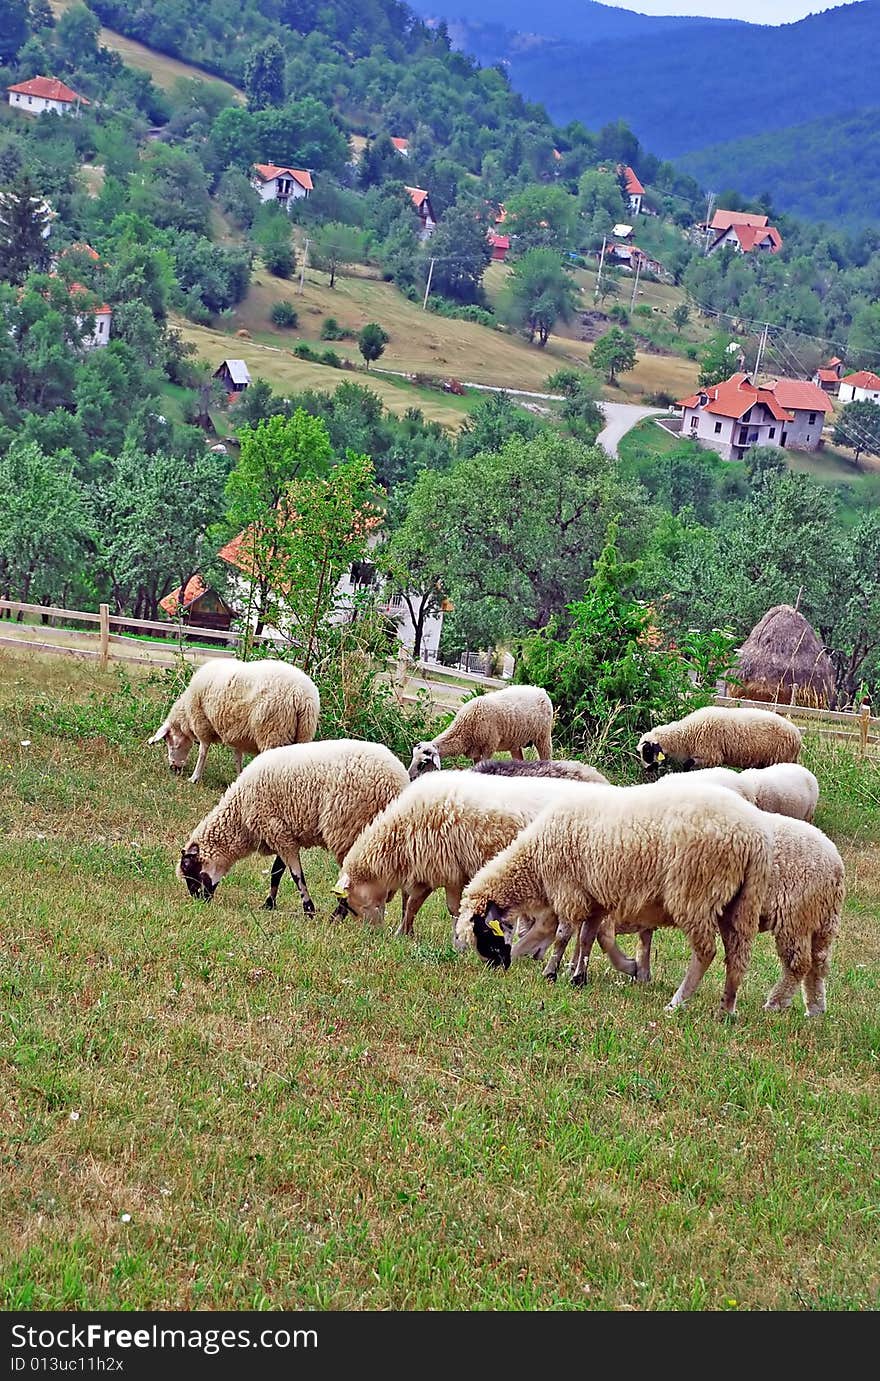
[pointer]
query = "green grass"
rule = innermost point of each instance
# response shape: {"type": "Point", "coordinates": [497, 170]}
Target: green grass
{"type": "Point", "coordinates": [225, 1108]}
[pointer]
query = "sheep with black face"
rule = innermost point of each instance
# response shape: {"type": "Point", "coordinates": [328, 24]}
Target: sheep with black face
{"type": "Point", "coordinates": [504, 721]}
{"type": "Point", "coordinates": [717, 737]}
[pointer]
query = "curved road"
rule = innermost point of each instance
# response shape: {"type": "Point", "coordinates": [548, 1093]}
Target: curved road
{"type": "Point", "coordinates": [620, 418]}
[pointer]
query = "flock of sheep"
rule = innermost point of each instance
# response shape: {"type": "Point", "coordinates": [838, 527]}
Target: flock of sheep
{"type": "Point", "coordinates": [529, 853]}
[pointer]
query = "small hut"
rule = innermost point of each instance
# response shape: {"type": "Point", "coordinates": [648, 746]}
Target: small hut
{"type": "Point", "coordinates": [783, 660]}
{"type": "Point", "coordinates": [200, 605]}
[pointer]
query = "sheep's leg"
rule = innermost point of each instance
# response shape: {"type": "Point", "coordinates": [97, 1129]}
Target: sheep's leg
{"type": "Point", "coordinates": [737, 953]}
{"type": "Point", "coordinates": [796, 961]}
{"type": "Point", "coordinates": [581, 961]}
{"type": "Point", "coordinates": [292, 859]}
{"type": "Point", "coordinates": [814, 979]}
{"type": "Point", "coordinates": [200, 763]}
{"type": "Point", "coordinates": [453, 906]}
{"type": "Point", "coordinates": [701, 958]}
{"type": "Point", "coordinates": [643, 956]}
{"type": "Point", "coordinates": [544, 746]}
{"type": "Point", "coordinates": [238, 761]}
{"type": "Point", "coordinates": [622, 962]}
{"type": "Point", "coordinates": [560, 945]}
{"type": "Point", "coordinates": [517, 754]}
{"type": "Point", "coordinates": [414, 903]}
{"type": "Point", "coordinates": [274, 883]}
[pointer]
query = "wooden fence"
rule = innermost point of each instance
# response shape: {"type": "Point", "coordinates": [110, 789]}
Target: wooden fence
{"type": "Point", "coordinates": [104, 644]}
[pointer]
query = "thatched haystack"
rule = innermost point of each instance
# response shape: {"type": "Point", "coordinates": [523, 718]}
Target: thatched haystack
{"type": "Point", "coordinates": [782, 659]}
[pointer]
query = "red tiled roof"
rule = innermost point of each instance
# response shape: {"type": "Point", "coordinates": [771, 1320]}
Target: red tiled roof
{"type": "Point", "coordinates": [827, 376]}
{"type": "Point", "coordinates": [863, 378]}
{"type": "Point", "coordinates": [800, 395]}
{"type": "Point", "coordinates": [633, 186]}
{"type": "Point", "coordinates": [418, 195]}
{"type": "Point", "coordinates": [82, 248]}
{"type": "Point", "coordinates": [402, 145]}
{"type": "Point", "coordinates": [103, 310]}
{"type": "Point", "coordinates": [501, 217]}
{"type": "Point", "coordinates": [557, 155]}
{"type": "Point", "coordinates": [723, 220]}
{"type": "Point", "coordinates": [171, 603]}
{"type": "Point", "coordinates": [737, 394]}
{"type": "Point", "coordinates": [49, 89]}
{"type": "Point", "coordinates": [498, 241]}
{"type": "Point", "coordinates": [830, 364]}
{"type": "Point", "coordinates": [269, 171]}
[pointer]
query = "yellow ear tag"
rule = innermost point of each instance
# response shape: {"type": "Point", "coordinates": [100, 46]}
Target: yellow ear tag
{"type": "Point", "coordinates": [661, 757]}
{"type": "Point", "coordinates": [495, 928]}
{"type": "Point", "coordinates": [340, 891]}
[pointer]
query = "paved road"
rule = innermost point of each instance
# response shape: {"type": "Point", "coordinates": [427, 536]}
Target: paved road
{"type": "Point", "coordinates": [619, 419]}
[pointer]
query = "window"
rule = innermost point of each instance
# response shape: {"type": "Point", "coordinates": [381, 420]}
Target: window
{"type": "Point", "coordinates": [812, 418]}
{"type": "Point", "coordinates": [717, 428]}
{"type": "Point", "coordinates": [695, 422]}
{"type": "Point", "coordinates": [772, 433]}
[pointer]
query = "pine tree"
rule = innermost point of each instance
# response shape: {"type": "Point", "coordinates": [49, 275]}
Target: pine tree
{"type": "Point", "coordinates": [25, 219]}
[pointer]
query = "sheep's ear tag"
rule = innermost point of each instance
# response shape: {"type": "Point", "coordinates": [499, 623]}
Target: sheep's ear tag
{"type": "Point", "coordinates": [495, 927]}
{"type": "Point", "coordinates": [661, 756]}
{"type": "Point", "coordinates": [340, 891]}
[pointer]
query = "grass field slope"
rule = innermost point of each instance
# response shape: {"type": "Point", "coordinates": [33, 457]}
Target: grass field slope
{"type": "Point", "coordinates": [218, 1107]}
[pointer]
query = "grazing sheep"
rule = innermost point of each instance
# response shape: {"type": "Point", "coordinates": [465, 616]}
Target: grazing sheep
{"type": "Point", "coordinates": [786, 788]}
{"type": "Point", "coordinates": [801, 910]}
{"type": "Point", "coordinates": [715, 737]}
{"type": "Point", "coordinates": [438, 834]}
{"type": "Point", "coordinates": [633, 859]}
{"type": "Point", "coordinates": [309, 795]}
{"type": "Point", "coordinates": [556, 767]}
{"type": "Point", "coordinates": [248, 706]}
{"type": "Point", "coordinates": [502, 721]}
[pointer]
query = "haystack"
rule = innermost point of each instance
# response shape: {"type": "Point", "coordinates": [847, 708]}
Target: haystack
{"type": "Point", "coordinates": [782, 659]}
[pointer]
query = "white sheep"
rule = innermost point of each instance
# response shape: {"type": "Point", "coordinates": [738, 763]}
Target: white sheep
{"type": "Point", "coordinates": [438, 833]}
{"type": "Point", "coordinates": [716, 737]}
{"type": "Point", "coordinates": [633, 858]}
{"type": "Point", "coordinates": [566, 768]}
{"type": "Point", "coordinates": [801, 910]}
{"type": "Point", "coordinates": [786, 788]}
{"type": "Point", "coordinates": [503, 721]}
{"type": "Point", "coordinates": [248, 706]}
{"type": "Point", "coordinates": [310, 795]}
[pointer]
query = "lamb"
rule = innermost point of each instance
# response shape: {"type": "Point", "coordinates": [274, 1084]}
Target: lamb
{"type": "Point", "coordinates": [636, 858]}
{"type": "Point", "coordinates": [786, 788]}
{"type": "Point", "coordinates": [438, 833]}
{"type": "Point", "coordinates": [801, 910]}
{"type": "Point", "coordinates": [304, 796]}
{"type": "Point", "coordinates": [248, 706]}
{"type": "Point", "coordinates": [556, 767]}
{"type": "Point", "coordinates": [502, 721]}
{"type": "Point", "coordinates": [715, 737]}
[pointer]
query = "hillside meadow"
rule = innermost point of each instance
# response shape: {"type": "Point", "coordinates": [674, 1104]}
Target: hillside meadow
{"type": "Point", "coordinates": [219, 1107]}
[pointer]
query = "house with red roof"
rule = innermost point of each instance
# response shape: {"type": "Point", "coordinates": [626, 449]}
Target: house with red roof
{"type": "Point", "coordinates": [401, 145]}
{"type": "Point", "coordinates": [46, 93]}
{"type": "Point", "coordinates": [737, 414]}
{"type": "Point", "coordinates": [499, 244]}
{"type": "Point", "coordinates": [281, 185]}
{"type": "Point", "coordinates": [634, 189]}
{"type": "Point", "coordinates": [829, 374]}
{"type": "Point", "coordinates": [94, 322]}
{"type": "Point", "coordinates": [424, 210]}
{"type": "Point", "coordinates": [861, 387]}
{"type": "Point", "coordinates": [743, 231]}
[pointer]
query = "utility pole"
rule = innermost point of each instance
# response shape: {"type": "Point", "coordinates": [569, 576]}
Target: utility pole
{"type": "Point", "coordinates": [428, 285]}
{"type": "Point", "coordinates": [710, 206]}
{"type": "Point", "coordinates": [601, 266]}
{"type": "Point", "coordinates": [302, 267]}
{"type": "Point", "coordinates": [632, 305]}
{"type": "Point", "coordinates": [762, 346]}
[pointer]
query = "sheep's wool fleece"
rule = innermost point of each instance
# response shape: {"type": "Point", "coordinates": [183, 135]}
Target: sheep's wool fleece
{"type": "Point", "coordinates": [445, 826]}
{"type": "Point", "coordinates": [249, 706]}
{"type": "Point", "coordinates": [807, 883]}
{"type": "Point", "coordinates": [719, 737]}
{"type": "Point", "coordinates": [506, 718]}
{"type": "Point", "coordinates": [319, 794]}
{"type": "Point", "coordinates": [786, 788]}
{"type": "Point", "coordinates": [631, 849]}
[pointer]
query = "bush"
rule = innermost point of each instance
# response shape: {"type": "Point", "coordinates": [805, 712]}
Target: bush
{"type": "Point", "coordinates": [441, 306]}
{"type": "Point", "coordinates": [284, 314]}
{"type": "Point", "coordinates": [691, 352]}
{"type": "Point", "coordinates": [331, 330]}
{"type": "Point", "coordinates": [304, 351]}
{"type": "Point", "coordinates": [619, 313]}
{"type": "Point", "coordinates": [330, 357]}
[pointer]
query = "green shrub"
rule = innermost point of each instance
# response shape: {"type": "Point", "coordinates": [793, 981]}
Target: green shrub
{"type": "Point", "coordinates": [332, 358]}
{"type": "Point", "coordinates": [331, 330]}
{"type": "Point", "coordinates": [284, 314]}
{"type": "Point", "coordinates": [304, 351]}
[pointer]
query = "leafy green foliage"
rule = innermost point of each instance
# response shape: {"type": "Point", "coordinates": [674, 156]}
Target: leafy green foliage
{"type": "Point", "coordinates": [540, 292]}
{"type": "Point", "coordinates": [284, 314]}
{"type": "Point", "coordinates": [264, 75]}
{"type": "Point", "coordinates": [858, 425]}
{"type": "Point", "coordinates": [614, 353]}
{"type": "Point", "coordinates": [372, 340]}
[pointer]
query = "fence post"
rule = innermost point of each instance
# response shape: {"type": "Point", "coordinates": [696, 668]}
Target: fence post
{"type": "Point", "coordinates": [864, 727]}
{"type": "Point", "coordinates": [105, 636]}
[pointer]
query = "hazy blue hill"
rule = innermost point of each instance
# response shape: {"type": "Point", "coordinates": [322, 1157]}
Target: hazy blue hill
{"type": "Point", "coordinates": [584, 21]}
{"type": "Point", "coordinates": [828, 169]}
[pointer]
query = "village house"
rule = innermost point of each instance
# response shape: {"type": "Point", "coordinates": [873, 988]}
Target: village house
{"type": "Point", "coordinates": [93, 322]}
{"type": "Point", "coordinates": [828, 375]}
{"type": "Point", "coordinates": [735, 415]}
{"type": "Point", "coordinates": [499, 244]}
{"type": "Point", "coordinates": [234, 375]}
{"type": "Point", "coordinates": [200, 605]}
{"type": "Point", "coordinates": [281, 185]}
{"type": "Point", "coordinates": [46, 93]}
{"type": "Point", "coordinates": [361, 576]}
{"type": "Point", "coordinates": [634, 190]}
{"type": "Point", "coordinates": [861, 387]}
{"type": "Point", "coordinates": [424, 210]}
{"type": "Point", "coordinates": [401, 145]}
{"type": "Point", "coordinates": [743, 231]}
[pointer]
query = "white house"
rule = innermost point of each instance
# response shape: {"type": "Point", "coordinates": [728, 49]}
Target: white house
{"type": "Point", "coordinates": [46, 93]}
{"type": "Point", "coordinates": [862, 387]}
{"type": "Point", "coordinates": [735, 415]}
{"type": "Point", "coordinates": [282, 185]}
{"type": "Point", "coordinates": [99, 321]}
{"type": "Point", "coordinates": [634, 190]}
{"type": "Point", "coordinates": [743, 231]}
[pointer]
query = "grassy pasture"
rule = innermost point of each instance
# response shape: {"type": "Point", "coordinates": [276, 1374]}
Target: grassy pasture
{"type": "Point", "coordinates": [225, 1108]}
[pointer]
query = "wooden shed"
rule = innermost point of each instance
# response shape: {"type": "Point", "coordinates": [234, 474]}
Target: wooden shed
{"type": "Point", "coordinates": [200, 605]}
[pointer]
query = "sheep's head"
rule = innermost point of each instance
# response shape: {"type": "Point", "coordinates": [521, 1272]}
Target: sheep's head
{"type": "Point", "coordinates": [650, 752]}
{"type": "Point", "coordinates": [178, 743]}
{"type": "Point", "coordinates": [198, 880]}
{"type": "Point", "coordinates": [425, 758]}
{"type": "Point", "coordinates": [363, 898]}
{"type": "Point", "coordinates": [492, 936]}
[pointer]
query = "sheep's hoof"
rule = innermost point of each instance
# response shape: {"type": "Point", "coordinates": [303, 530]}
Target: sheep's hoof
{"type": "Point", "coordinates": [642, 976]}
{"type": "Point", "coordinates": [728, 1018]}
{"type": "Point", "coordinates": [551, 977]}
{"type": "Point", "coordinates": [814, 1012]}
{"type": "Point", "coordinates": [773, 1007]}
{"type": "Point", "coordinates": [339, 913]}
{"type": "Point", "coordinates": [270, 904]}
{"type": "Point", "coordinates": [308, 907]}
{"type": "Point", "coordinates": [578, 980]}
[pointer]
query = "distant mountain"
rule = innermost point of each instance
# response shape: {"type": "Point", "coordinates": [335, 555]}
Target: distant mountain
{"type": "Point", "coordinates": [696, 84]}
{"type": "Point", "coordinates": [824, 170]}
{"type": "Point", "coordinates": [582, 21]}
